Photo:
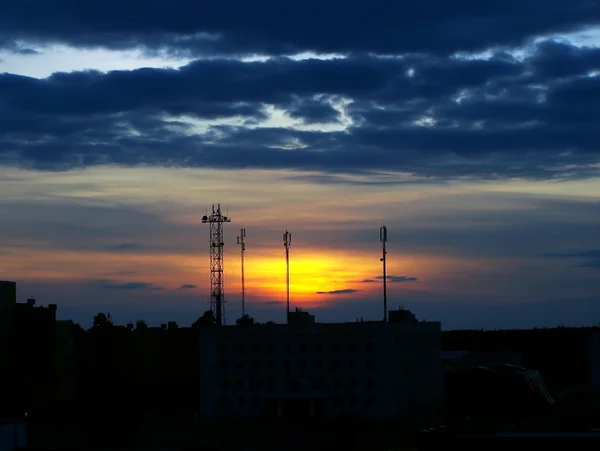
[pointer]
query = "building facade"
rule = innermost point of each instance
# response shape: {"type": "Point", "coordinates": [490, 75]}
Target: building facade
{"type": "Point", "coordinates": [307, 369]}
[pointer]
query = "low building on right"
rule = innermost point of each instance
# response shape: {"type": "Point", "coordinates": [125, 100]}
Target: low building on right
{"type": "Point", "coordinates": [308, 369]}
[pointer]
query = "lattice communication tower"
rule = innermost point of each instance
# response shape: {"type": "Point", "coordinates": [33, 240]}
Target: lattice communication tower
{"type": "Point", "coordinates": [217, 294]}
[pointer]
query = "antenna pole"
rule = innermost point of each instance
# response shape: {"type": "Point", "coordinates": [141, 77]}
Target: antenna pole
{"type": "Point", "coordinates": [287, 242]}
{"type": "Point", "coordinates": [383, 239]}
{"type": "Point", "coordinates": [217, 294]}
{"type": "Point", "coordinates": [240, 241]}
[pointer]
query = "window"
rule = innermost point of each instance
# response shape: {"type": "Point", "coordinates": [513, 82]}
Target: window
{"type": "Point", "coordinates": [271, 365]}
{"type": "Point", "coordinates": [255, 348]}
{"type": "Point", "coordinates": [240, 366]}
{"type": "Point", "coordinates": [352, 400]}
{"type": "Point", "coordinates": [352, 347]}
{"type": "Point", "coordinates": [223, 349]}
{"type": "Point", "coordinates": [295, 387]}
{"type": "Point", "coordinates": [351, 364]}
{"type": "Point", "coordinates": [369, 346]}
{"type": "Point", "coordinates": [270, 384]}
{"type": "Point", "coordinates": [240, 348]}
{"type": "Point", "coordinates": [287, 349]}
{"type": "Point", "coordinates": [335, 364]}
{"type": "Point", "coordinates": [225, 383]}
{"type": "Point", "coordinates": [241, 401]}
{"type": "Point", "coordinates": [337, 383]}
{"type": "Point", "coordinates": [223, 366]}
{"type": "Point", "coordinates": [271, 347]}
{"type": "Point", "coordinates": [256, 365]}
{"type": "Point", "coordinates": [303, 364]}
{"type": "Point", "coordinates": [224, 401]}
{"type": "Point", "coordinates": [337, 401]}
{"type": "Point", "coordinates": [335, 347]}
{"type": "Point", "coordinates": [319, 347]}
{"type": "Point", "coordinates": [240, 383]}
{"type": "Point", "coordinates": [318, 383]}
{"type": "Point", "coordinates": [319, 364]}
{"type": "Point", "coordinates": [369, 364]}
{"type": "Point", "coordinates": [287, 366]}
{"type": "Point", "coordinates": [352, 383]}
{"type": "Point", "coordinates": [303, 348]}
{"type": "Point", "coordinates": [256, 401]}
{"type": "Point", "coordinates": [370, 400]}
{"type": "Point", "coordinates": [369, 383]}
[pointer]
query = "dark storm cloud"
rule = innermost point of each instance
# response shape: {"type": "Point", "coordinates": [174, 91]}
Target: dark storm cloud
{"type": "Point", "coordinates": [338, 292]}
{"type": "Point", "coordinates": [270, 26]}
{"type": "Point", "coordinates": [493, 118]}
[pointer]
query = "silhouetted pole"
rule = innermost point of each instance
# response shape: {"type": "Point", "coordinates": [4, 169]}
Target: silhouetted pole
{"type": "Point", "coordinates": [287, 242]}
{"type": "Point", "coordinates": [240, 241]}
{"type": "Point", "coordinates": [383, 239]}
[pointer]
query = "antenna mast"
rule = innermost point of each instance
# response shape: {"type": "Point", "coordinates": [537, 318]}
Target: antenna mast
{"type": "Point", "coordinates": [287, 242]}
{"type": "Point", "coordinates": [217, 295]}
{"type": "Point", "coordinates": [383, 259]}
{"type": "Point", "coordinates": [240, 241]}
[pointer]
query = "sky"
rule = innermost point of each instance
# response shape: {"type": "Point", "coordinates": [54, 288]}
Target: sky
{"type": "Point", "coordinates": [469, 129]}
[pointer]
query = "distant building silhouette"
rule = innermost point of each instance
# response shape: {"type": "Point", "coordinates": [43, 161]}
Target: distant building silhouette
{"type": "Point", "coordinates": [28, 355]}
{"type": "Point", "coordinates": [8, 294]}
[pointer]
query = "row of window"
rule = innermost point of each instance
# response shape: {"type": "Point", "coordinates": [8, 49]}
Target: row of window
{"type": "Point", "coordinates": [317, 384]}
{"type": "Point", "coordinates": [241, 348]}
{"type": "Point", "coordinates": [302, 365]}
{"type": "Point", "coordinates": [338, 401]}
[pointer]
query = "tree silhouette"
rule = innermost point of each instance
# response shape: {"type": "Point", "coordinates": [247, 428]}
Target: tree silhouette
{"type": "Point", "coordinates": [245, 320]}
{"type": "Point", "coordinates": [270, 323]}
{"type": "Point", "coordinates": [141, 324]}
{"type": "Point", "coordinates": [206, 320]}
{"type": "Point", "coordinates": [102, 322]}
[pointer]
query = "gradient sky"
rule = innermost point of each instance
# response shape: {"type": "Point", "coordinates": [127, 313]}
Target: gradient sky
{"type": "Point", "coordinates": [470, 131]}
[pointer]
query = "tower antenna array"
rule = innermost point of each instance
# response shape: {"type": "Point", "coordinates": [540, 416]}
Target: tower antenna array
{"type": "Point", "coordinates": [217, 295]}
{"type": "Point", "coordinates": [240, 241]}
{"type": "Point", "coordinates": [287, 242]}
{"type": "Point", "coordinates": [383, 259]}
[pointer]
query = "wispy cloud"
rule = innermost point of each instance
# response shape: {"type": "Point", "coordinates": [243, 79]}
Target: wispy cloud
{"type": "Point", "coordinates": [187, 287]}
{"type": "Point", "coordinates": [123, 247]}
{"type": "Point", "coordinates": [129, 286]}
{"type": "Point", "coordinates": [338, 292]}
{"type": "Point", "coordinates": [591, 256]}
{"type": "Point", "coordinates": [392, 279]}
{"type": "Point", "coordinates": [586, 253]}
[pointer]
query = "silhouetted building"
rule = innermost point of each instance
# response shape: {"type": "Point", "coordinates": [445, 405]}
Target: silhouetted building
{"type": "Point", "coordinates": [299, 317]}
{"type": "Point", "coordinates": [593, 357]}
{"type": "Point", "coordinates": [372, 369]}
{"type": "Point", "coordinates": [8, 294]}
{"type": "Point", "coordinates": [401, 316]}
{"type": "Point", "coordinates": [28, 365]}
